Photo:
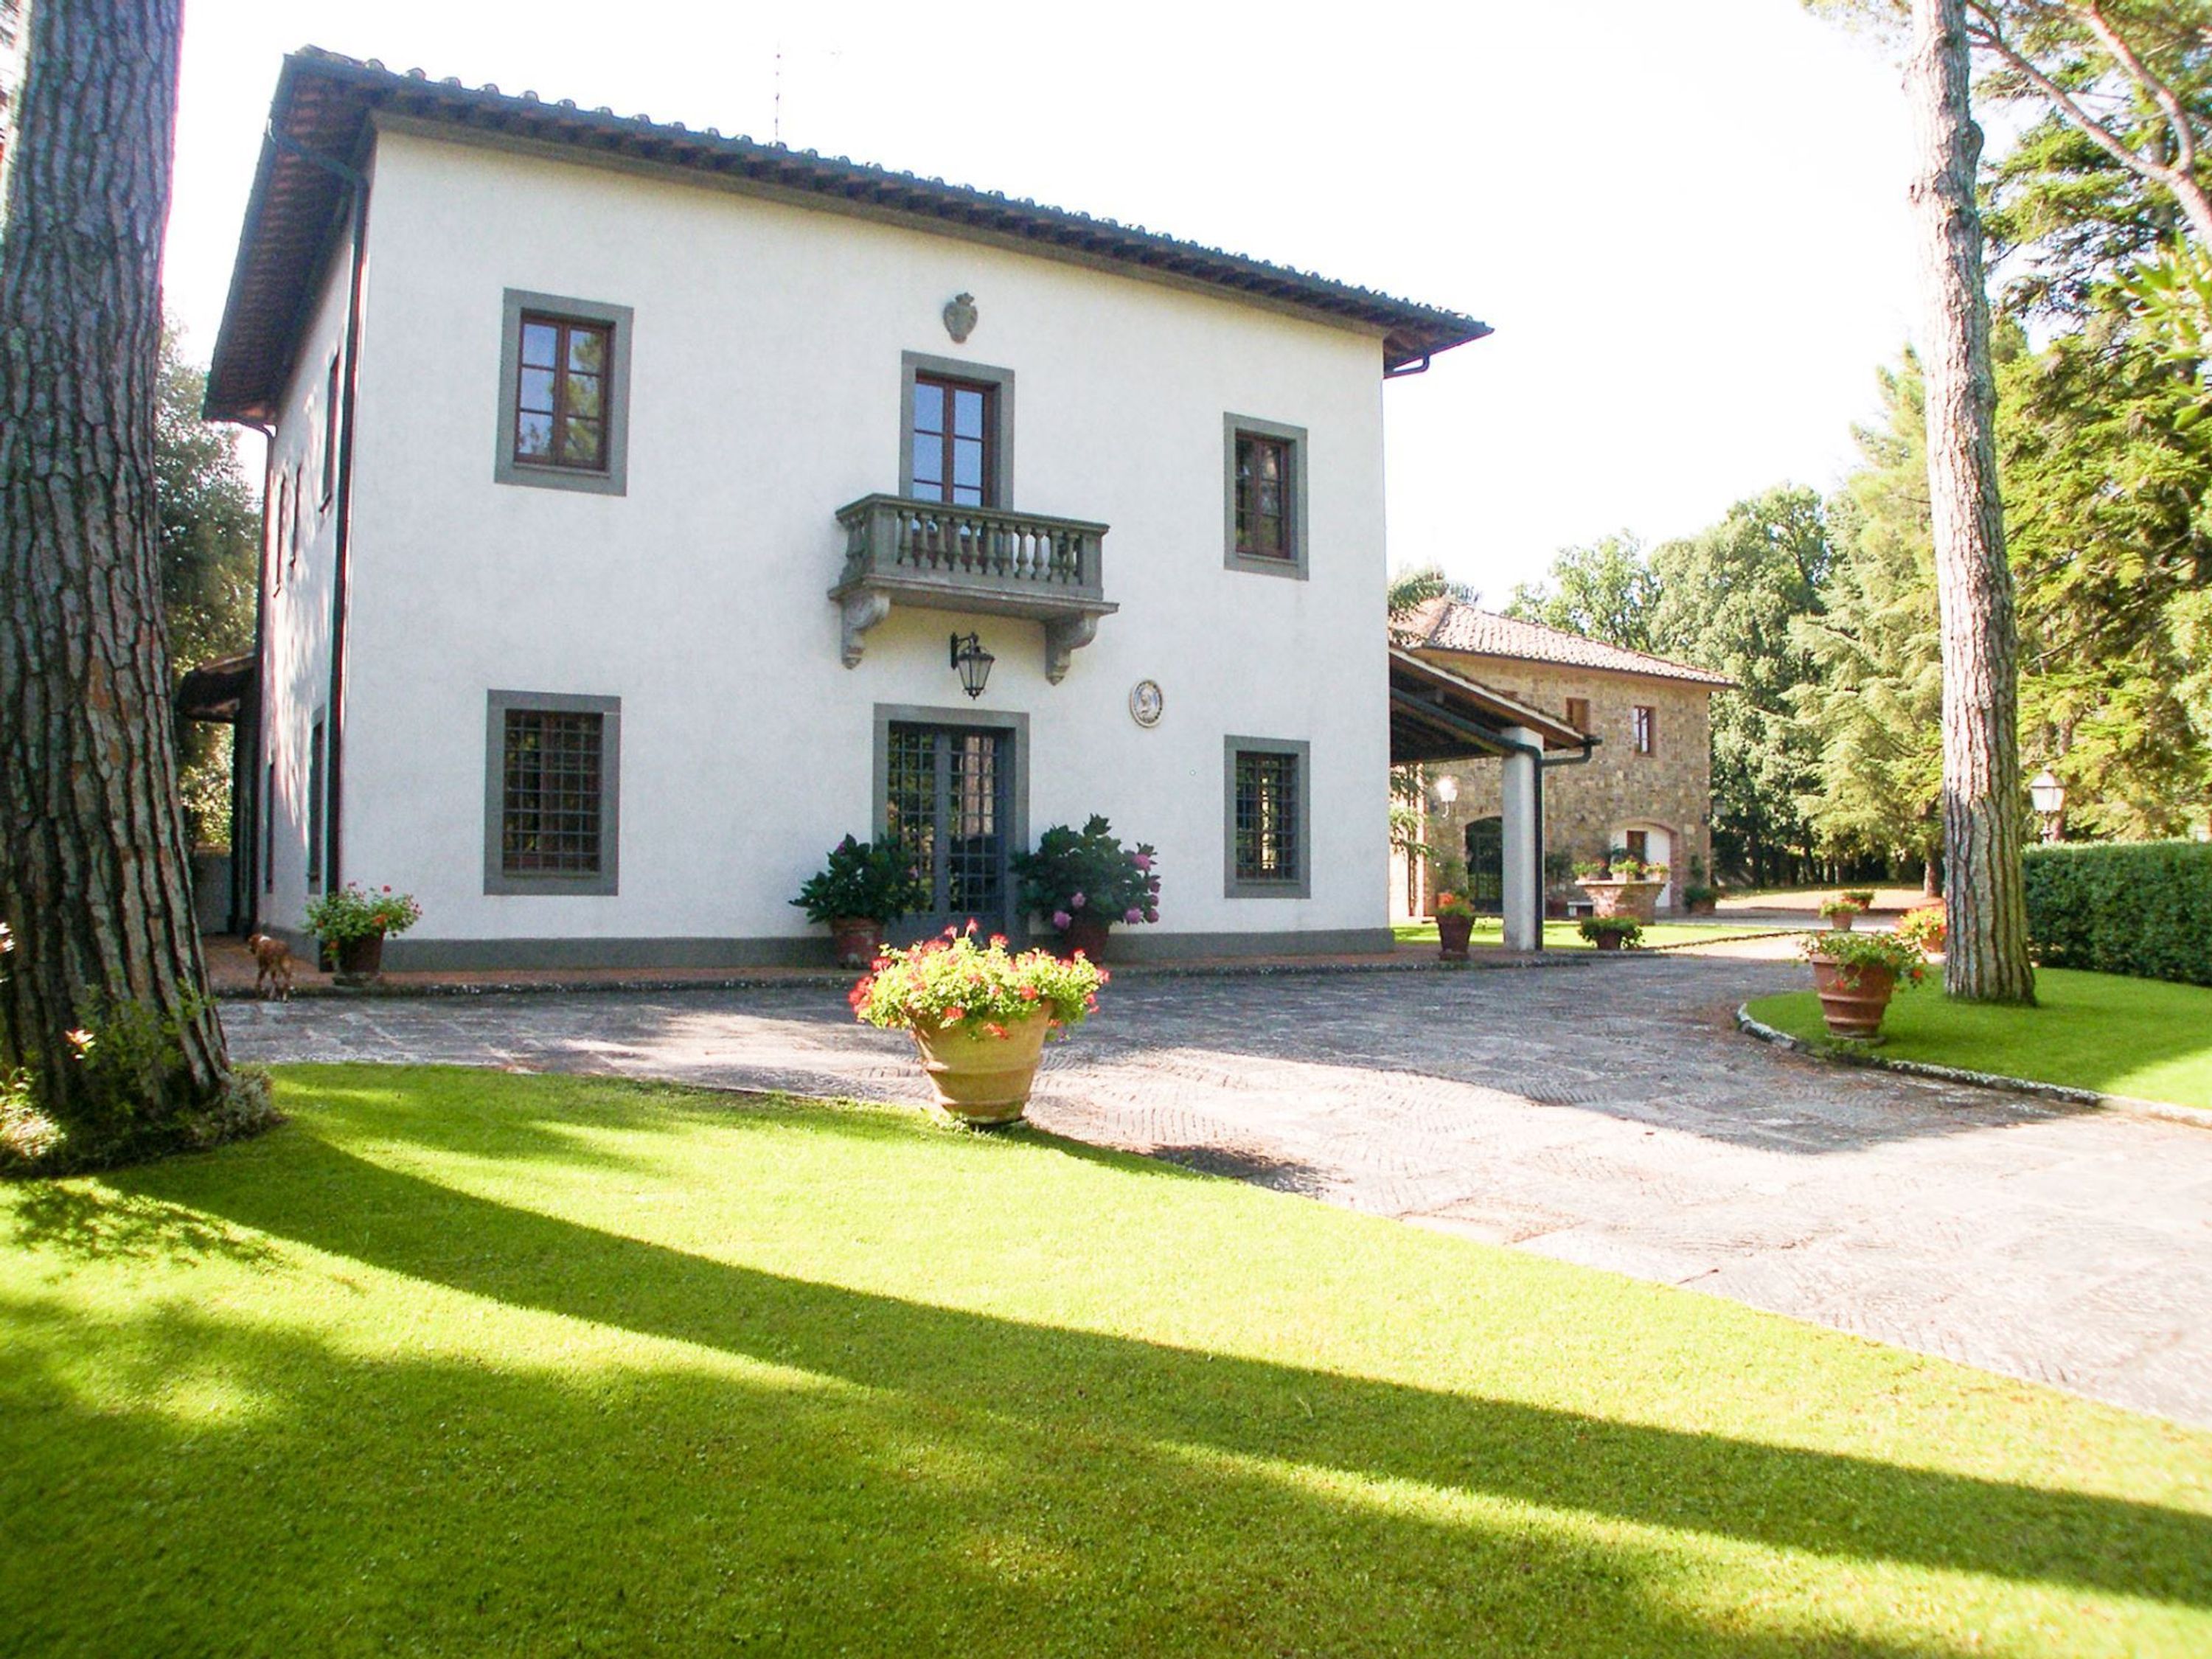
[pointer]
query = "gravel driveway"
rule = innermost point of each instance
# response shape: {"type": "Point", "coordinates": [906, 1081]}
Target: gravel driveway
{"type": "Point", "coordinates": [1604, 1113]}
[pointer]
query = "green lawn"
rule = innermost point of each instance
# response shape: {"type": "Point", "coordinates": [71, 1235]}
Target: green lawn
{"type": "Point", "coordinates": [472, 1362]}
{"type": "Point", "coordinates": [1564, 936]}
{"type": "Point", "coordinates": [2125, 1037]}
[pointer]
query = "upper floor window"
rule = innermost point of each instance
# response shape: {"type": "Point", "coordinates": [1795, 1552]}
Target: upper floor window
{"type": "Point", "coordinates": [958, 443]}
{"type": "Point", "coordinates": [1578, 714]}
{"type": "Point", "coordinates": [1644, 729]}
{"type": "Point", "coordinates": [560, 396]}
{"type": "Point", "coordinates": [1266, 507]}
{"type": "Point", "coordinates": [564, 394]}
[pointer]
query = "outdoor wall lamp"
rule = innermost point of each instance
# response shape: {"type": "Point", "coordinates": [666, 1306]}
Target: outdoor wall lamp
{"type": "Point", "coordinates": [1445, 789]}
{"type": "Point", "coordinates": [974, 663]}
{"type": "Point", "coordinates": [2050, 798]}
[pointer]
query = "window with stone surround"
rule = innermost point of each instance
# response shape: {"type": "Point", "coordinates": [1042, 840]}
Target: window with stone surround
{"type": "Point", "coordinates": [550, 793]}
{"type": "Point", "coordinates": [1644, 728]}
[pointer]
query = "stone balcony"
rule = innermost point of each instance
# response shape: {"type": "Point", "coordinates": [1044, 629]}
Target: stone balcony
{"type": "Point", "coordinates": [972, 559]}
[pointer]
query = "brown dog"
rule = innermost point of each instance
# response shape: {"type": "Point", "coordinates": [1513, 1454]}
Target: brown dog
{"type": "Point", "coordinates": [272, 962]}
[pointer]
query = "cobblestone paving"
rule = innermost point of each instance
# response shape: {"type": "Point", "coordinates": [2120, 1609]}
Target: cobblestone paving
{"type": "Point", "coordinates": [1603, 1113]}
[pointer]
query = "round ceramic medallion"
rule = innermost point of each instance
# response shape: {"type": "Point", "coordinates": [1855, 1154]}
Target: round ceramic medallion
{"type": "Point", "coordinates": [1145, 702]}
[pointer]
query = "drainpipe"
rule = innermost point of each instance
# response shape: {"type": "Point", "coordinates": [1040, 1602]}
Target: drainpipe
{"type": "Point", "coordinates": [248, 914]}
{"type": "Point", "coordinates": [356, 184]}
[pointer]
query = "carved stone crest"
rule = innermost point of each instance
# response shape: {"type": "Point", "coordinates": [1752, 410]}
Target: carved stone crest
{"type": "Point", "coordinates": [960, 317]}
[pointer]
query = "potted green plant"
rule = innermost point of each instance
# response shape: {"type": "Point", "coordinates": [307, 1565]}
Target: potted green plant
{"type": "Point", "coordinates": [1455, 925]}
{"type": "Point", "coordinates": [353, 923]}
{"type": "Point", "coordinates": [862, 889]}
{"type": "Point", "coordinates": [1854, 974]}
{"type": "Point", "coordinates": [1084, 881]}
{"type": "Point", "coordinates": [978, 1015]}
{"type": "Point", "coordinates": [1841, 912]}
{"type": "Point", "coordinates": [1862, 897]}
{"type": "Point", "coordinates": [1623, 887]}
{"type": "Point", "coordinates": [1611, 932]}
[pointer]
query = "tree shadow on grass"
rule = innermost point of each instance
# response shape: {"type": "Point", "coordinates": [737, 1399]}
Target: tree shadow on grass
{"type": "Point", "coordinates": [444, 1504]}
{"type": "Point", "coordinates": [90, 1222]}
{"type": "Point", "coordinates": [1083, 1384]}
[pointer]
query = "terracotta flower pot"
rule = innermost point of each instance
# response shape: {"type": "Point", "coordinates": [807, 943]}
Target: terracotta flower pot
{"type": "Point", "coordinates": [981, 1077]}
{"type": "Point", "coordinates": [1085, 933]}
{"type": "Point", "coordinates": [360, 960]}
{"type": "Point", "coordinates": [1608, 941]}
{"type": "Point", "coordinates": [858, 940]}
{"type": "Point", "coordinates": [1452, 935]}
{"type": "Point", "coordinates": [1842, 920]}
{"type": "Point", "coordinates": [1853, 1000]}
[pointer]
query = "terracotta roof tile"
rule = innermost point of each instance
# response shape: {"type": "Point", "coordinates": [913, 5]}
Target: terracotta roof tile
{"type": "Point", "coordinates": [1447, 625]}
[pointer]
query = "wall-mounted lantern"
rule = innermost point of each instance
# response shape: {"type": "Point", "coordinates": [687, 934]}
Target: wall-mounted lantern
{"type": "Point", "coordinates": [974, 663]}
{"type": "Point", "coordinates": [1445, 789]}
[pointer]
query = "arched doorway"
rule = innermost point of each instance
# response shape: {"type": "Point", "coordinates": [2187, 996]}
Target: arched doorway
{"type": "Point", "coordinates": [1485, 866]}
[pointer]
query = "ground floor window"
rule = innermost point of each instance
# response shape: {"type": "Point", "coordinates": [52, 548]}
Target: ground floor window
{"type": "Point", "coordinates": [550, 793]}
{"type": "Point", "coordinates": [1267, 817]}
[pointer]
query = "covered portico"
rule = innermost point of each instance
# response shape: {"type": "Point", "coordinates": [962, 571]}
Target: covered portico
{"type": "Point", "coordinates": [1437, 715]}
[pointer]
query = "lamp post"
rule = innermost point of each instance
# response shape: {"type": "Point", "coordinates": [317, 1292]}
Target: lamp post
{"type": "Point", "coordinates": [2050, 798]}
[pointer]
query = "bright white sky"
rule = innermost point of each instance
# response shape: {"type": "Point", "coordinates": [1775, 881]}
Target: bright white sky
{"type": "Point", "coordinates": [1685, 220]}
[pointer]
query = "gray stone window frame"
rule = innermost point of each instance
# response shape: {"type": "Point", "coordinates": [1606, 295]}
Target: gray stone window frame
{"type": "Point", "coordinates": [614, 480]}
{"type": "Point", "coordinates": [1295, 566]}
{"type": "Point", "coordinates": [887, 715]}
{"type": "Point", "coordinates": [603, 883]}
{"type": "Point", "coordinates": [1232, 886]}
{"type": "Point", "coordinates": [1000, 381]}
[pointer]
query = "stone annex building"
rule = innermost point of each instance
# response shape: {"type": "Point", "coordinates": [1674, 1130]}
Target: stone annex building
{"type": "Point", "coordinates": [1646, 786]}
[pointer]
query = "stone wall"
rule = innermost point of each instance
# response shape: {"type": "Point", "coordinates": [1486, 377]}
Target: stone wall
{"type": "Point", "coordinates": [1586, 807]}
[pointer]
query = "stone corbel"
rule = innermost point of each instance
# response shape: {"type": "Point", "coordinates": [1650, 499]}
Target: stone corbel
{"type": "Point", "coordinates": [1063, 637]}
{"type": "Point", "coordinates": [859, 612]}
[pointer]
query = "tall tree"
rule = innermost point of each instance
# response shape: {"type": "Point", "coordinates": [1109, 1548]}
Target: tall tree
{"type": "Point", "coordinates": [1605, 591]}
{"type": "Point", "coordinates": [96, 884]}
{"type": "Point", "coordinates": [1872, 708]}
{"type": "Point", "coordinates": [1985, 956]}
{"type": "Point", "coordinates": [1726, 598]}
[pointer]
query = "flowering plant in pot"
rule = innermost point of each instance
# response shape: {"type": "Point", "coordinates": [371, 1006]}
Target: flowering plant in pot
{"type": "Point", "coordinates": [1926, 926]}
{"type": "Point", "coordinates": [1084, 880]}
{"type": "Point", "coordinates": [1854, 974]}
{"type": "Point", "coordinates": [861, 890]}
{"type": "Point", "coordinates": [978, 1014]}
{"type": "Point", "coordinates": [1862, 897]}
{"type": "Point", "coordinates": [353, 923]}
{"type": "Point", "coordinates": [1455, 925]}
{"type": "Point", "coordinates": [1841, 911]}
{"type": "Point", "coordinates": [1611, 932]}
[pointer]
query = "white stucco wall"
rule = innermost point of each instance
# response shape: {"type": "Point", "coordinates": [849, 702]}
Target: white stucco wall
{"type": "Point", "coordinates": [297, 579]}
{"type": "Point", "coordinates": [765, 394]}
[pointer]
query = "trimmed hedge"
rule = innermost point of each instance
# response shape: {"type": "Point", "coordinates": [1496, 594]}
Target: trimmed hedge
{"type": "Point", "coordinates": [2143, 909]}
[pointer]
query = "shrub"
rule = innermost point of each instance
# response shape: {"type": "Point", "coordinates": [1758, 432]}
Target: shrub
{"type": "Point", "coordinates": [2143, 909]}
{"type": "Point", "coordinates": [1075, 870]}
{"type": "Point", "coordinates": [871, 883]}
{"type": "Point", "coordinates": [354, 912]}
{"type": "Point", "coordinates": [1626, 929]}
{"type": "Point", "coordinates": [952, 981]}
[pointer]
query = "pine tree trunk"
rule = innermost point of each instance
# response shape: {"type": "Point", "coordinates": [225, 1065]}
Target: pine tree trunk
{"type": "Point", "coordinates": [96, 882]}
{"type": "Point", "coordinates": [1985, 957]}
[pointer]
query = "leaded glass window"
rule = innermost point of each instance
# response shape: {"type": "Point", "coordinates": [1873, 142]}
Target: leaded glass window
{"type": "Point", "coordinates": [1266, 817]}
{"type": "Point", "coordinates": [550, 813]}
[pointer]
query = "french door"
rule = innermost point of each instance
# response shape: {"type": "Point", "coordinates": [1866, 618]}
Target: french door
{"type": "Point", "coordinates": [1485, 866]}
{"type": "Point", "coordinates": [950, 800]}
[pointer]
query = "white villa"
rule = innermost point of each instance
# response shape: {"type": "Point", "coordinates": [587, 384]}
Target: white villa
{"type": "Point", "coordinates": [642, 505]}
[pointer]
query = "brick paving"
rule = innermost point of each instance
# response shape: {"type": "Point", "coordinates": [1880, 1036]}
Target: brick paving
{"type": "Point", "coordinates": [1603, 1113]}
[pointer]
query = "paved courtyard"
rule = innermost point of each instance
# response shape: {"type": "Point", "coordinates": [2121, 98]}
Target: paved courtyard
{"type": "Point", "coordinates": [1602, 1112]}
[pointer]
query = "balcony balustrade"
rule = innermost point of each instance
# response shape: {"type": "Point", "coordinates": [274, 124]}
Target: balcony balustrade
{"type": "Point", "coordinates": [972, 559]}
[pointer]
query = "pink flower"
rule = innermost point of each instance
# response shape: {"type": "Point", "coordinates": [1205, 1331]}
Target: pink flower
{"type": "Point", "coordinates": [999, 941]}
{"type": "Point", "coordinates": [1132, 916]}
{"type": "Point", "coordinates": [1076, 904]}
{"type": "Point", "coordinates": [1061, 920]}
{"type": "Point", "coordinates": [1151, 916]}
{"type": "Point", "coordinates": [1143, 860]}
